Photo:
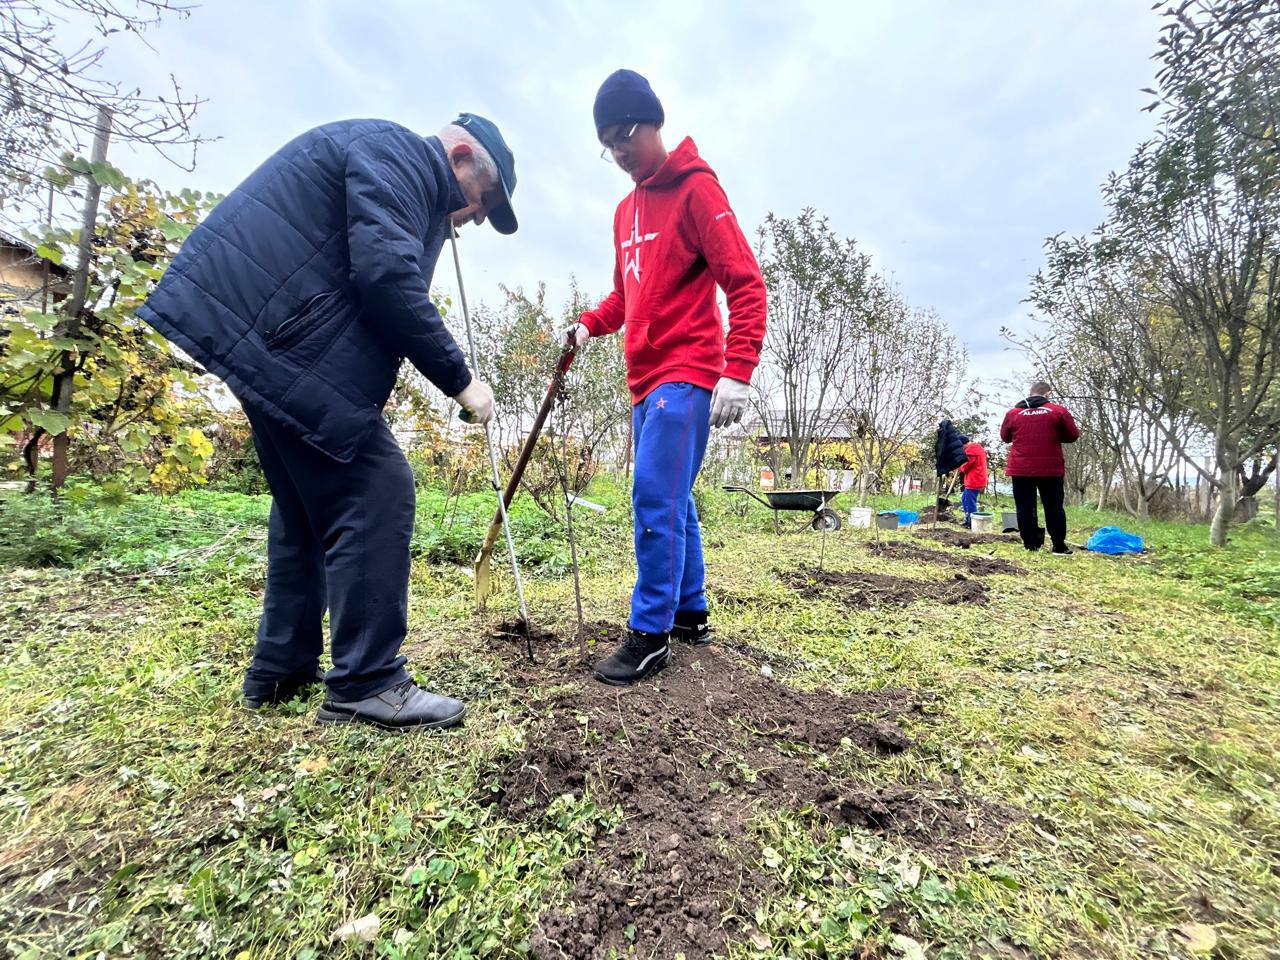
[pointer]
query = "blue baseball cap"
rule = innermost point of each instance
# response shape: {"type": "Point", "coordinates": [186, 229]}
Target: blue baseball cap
{"type": "Point", "coordinates": [503, 217]}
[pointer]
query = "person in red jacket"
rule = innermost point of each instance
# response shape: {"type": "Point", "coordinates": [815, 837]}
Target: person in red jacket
{"type": "Point", "coordinates": [675, 240]}
{"type": "Point", "coordinates": [1037, 429]}
{"type": "Point", "coordinates": [974, 473]}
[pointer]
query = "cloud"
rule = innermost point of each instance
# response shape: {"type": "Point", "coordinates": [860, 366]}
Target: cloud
{"type": "Point", "coordinates": [950, 140]}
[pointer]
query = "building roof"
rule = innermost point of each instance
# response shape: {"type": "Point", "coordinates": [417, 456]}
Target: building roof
{"type": "Point", "coordinates": [9, 242]}
{"type": "Point", "coordinates": [829, 426]}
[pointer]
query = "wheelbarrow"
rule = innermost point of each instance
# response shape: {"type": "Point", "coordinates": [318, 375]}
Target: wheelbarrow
{"type": "Point", "coordinates": [824, 519]}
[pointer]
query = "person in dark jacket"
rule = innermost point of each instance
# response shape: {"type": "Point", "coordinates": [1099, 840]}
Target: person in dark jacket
{"type": "Point", "coordinates": [1037, 429]}
{"type": "Point", "coordinates": [304, 290]}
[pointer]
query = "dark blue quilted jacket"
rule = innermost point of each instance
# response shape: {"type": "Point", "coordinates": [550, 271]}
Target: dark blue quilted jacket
{"type": "Point", "coordinates": [948, 448]}
{"type": "Point", "coordinates": [306, 287]}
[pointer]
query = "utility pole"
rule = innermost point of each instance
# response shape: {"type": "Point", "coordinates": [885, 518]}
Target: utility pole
{"type": "Point", "coordinates": [70, 326]}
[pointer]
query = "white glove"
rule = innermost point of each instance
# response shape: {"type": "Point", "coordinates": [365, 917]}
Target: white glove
{"type": "Point", "coordinates": [728, 401]}
{"type": "Point", "coordinates": [477, 400]}
{"type": "Point", "coordinates": [575, 336]}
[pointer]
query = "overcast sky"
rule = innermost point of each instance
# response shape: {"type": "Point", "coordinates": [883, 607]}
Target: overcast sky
{"type": "Point", "coordinates": [948, 139]}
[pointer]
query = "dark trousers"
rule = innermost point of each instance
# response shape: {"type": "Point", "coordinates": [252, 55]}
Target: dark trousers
{"type": "Point", "coordinates": [338, 538]}
{"type": "Point", "coordinates": [1055, 517]}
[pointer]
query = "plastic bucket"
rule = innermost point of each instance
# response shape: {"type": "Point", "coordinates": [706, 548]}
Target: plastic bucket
{"type": "Point", "coordinates": [981, 522]}
{"type": "Point", "coordinates": [887, 521]}
{"type": "Point", "coordinates": [860, 517]}
{"type": "Point", "coordinates": [1009, 520]}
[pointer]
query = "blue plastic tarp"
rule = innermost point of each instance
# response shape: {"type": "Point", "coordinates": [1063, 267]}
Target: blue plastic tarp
{"type": "Point", "coordinates": [1114, 540]}
{"type": "Point", "coordinates": [905, 517]}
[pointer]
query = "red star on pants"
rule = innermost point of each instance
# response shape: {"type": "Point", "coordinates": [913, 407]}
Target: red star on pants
{"type": "Point", "coordinates": [662, 403]}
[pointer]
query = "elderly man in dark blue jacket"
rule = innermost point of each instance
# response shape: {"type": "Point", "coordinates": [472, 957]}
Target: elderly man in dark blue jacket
{"type": "Point", "coordinates": [304, 290]}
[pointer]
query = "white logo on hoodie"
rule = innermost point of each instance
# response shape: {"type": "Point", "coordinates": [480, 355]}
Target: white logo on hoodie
{"type": "Point", "coordinates": [631, 262]}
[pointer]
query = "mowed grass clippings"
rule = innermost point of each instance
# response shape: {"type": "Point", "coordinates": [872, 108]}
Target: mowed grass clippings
{"type": "Point", "coordinates": [1117, 716]}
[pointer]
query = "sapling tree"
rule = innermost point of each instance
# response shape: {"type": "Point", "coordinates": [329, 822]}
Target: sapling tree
{"type": "Point", "coordinates": [905, 370]}
{"type": "Point", "coordinates": [592, 405]}
{"type": "Point", "coordinates": [133, 393]}
{"type": "Point", "coordinates": [821, 291]}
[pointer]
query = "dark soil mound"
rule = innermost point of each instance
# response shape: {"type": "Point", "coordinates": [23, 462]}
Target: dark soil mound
{"type": "Point", "coordinates": [865, 591]}
{"type": "Point", "coordinates": [691, 756]}
{"type": "Point", "coordinates": [978, 566]}
{"type": "Point", "coordinates": [931, 515]}
{"type": "Point", "coordinates": [963, 538]}
{"type": "Point", "coordinates": [928, 815]}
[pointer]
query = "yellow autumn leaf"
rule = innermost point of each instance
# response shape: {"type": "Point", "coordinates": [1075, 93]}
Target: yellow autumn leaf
{"type": "Point", "coordinates": [198, 443]}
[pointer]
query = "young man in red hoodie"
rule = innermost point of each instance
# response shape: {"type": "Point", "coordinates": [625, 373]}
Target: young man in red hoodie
{"type": "Point", "coordinates": [675, 240]}
{"type": "Point", "coordinates": [1037, 429]}
{"type": "Point", "coordinates": [974, 473]}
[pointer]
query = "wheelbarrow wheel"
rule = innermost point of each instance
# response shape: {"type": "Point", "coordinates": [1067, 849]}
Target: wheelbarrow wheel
{"type": "Point", "coordinates": [826, 520]}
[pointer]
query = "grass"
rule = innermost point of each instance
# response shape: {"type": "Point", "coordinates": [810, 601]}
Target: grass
{"type": "Point", "coordinates": [1123, 710]}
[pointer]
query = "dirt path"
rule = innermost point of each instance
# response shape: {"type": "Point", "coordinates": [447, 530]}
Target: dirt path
{"type": "Point", "coordinates": [866, 591]}
{"type": "Point", "coordinates": [963, 538]}
{"type": "Point", "coordinates": [979, 566]}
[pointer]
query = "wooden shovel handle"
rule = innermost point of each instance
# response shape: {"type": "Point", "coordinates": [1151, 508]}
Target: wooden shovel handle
{"type": "Point", "coordinates": [526, 452]}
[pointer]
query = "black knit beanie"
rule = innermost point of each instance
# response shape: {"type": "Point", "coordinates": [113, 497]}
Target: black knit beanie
{"type": "Point", "coordinates": [626, 97]}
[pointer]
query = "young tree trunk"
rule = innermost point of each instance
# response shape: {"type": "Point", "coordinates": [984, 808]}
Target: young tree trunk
{"type": "Point", "coordinates": [64, 380]}
{"type": "Point", "coordinates": [862, 488]}
{"type": "Point", "coordinates": [1226, 508]}
{"type": "Point", "coordinates": [577, 580]}
{"type": "Point", "coordinates": [626, 470]}
{"type": "Point", "coordinates": [31, 457]}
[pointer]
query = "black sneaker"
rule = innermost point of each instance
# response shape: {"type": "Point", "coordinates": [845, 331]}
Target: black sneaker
{"type": "Point", "coordinates": [283, 691]}
{"type": "Point", "coordinates": [1061, 548]}
{"type": "Point", "coordinates": [639, 656]}
{"type": "Point", "coordinates": [691, 627]}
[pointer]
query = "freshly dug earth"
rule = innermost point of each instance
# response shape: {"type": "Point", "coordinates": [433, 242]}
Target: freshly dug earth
{"type": "Point", "coordinates": [963, 538]}
{"type": "Point", "coordinates": [866, 591]}
{"type": "Point", "coordinates": [978, 566]}
{"type": "Point", "coordinates": [690, 757]}
{"type": "Point", "coordinates": [927, 515]}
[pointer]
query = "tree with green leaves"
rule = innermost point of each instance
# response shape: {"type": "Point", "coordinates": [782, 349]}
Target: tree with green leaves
{"type": "Point", "coordinates": [1194, 229]}
{"type": "Point", "coordinates": [518, 349]}
{"type": "Point", "coordinates": [822, 295]}
{"type": "Point", "coordinates": [131, 392]}
{"type": "Point", "coordinates": [905, 373]}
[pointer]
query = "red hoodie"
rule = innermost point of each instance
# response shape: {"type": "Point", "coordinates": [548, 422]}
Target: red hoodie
{"type": "Point", "coordinates": [677, 240]}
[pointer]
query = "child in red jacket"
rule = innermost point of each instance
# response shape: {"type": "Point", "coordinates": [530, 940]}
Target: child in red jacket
{"type": "Point", "coordinates": [676, 239]}
{"type": "Point", "coordinates": [974, 473]}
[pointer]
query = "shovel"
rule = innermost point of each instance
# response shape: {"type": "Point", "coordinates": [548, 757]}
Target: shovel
{"type": "Point", "coordinates": [482, 566]}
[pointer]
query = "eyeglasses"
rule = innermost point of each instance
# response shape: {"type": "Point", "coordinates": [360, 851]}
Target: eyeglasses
{"type": "Point", "coordinates": [607, 153]}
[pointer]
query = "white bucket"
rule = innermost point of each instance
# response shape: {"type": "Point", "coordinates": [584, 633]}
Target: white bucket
{"type": "Point", "coordinates": [860, 517]}
{"type": "Point", "coordinates": [980, 522]}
